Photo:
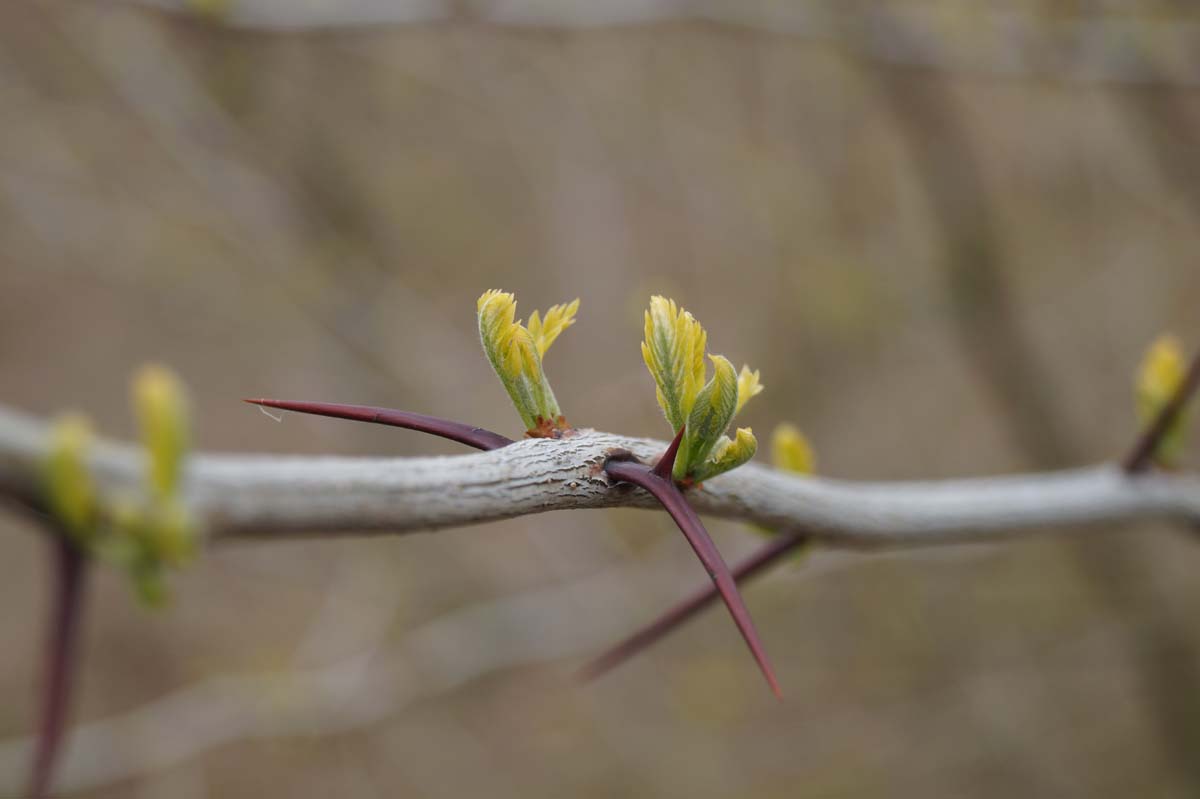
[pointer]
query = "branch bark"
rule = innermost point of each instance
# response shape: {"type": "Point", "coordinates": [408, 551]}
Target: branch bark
{"type": "Point", "coordinates": [239, 496]}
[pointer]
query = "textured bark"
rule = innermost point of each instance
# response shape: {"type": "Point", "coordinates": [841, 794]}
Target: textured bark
{"type": "Point", "coordinates": [236, 496]}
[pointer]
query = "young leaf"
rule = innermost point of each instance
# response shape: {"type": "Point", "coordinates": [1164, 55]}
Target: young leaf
{"type": "Point", "coordinates": [1159, 378]}
{"type": "Point", "coordinates": [710, 414]}
{"type": "Point", "coordinates": [673, 350]}
{"type": "Point", "coordinates": [515, 353]}
{"type": "Point", "coordinates": [558, 318]}
{"type": "Point", "coordinates": [748, 386]}
{"type": "Point", "coordinates": [727, 455]}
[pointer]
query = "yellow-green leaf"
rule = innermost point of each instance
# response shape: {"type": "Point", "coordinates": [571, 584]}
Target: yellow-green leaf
{"type": "Point", "coordinates": [727, 454]}
{"type": "Point", "coordinates": [710, 416]}
{"type": "Point", "coordinates": [748, 386]}
{"type": "Point", "coordinates": [515, 353]}
{"type": "Point", "coordinates": [674, 353]}
{"type": "Point", "coordinates": [558, 318]}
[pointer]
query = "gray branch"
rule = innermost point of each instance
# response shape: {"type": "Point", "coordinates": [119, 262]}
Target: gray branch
{"type": "Point", "coordinates": [236, 496]}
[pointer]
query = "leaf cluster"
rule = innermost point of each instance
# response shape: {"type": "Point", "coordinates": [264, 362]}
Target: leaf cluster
{"type": "Point", "coordinates": [674, 349]}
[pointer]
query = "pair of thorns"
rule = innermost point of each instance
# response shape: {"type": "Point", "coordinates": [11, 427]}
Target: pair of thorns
{"type": "Point", "coordinates": [620, 466]}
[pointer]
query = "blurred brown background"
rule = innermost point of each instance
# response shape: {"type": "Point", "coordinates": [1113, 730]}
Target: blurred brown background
{"type": "Point", "coordinates": [944, 232]}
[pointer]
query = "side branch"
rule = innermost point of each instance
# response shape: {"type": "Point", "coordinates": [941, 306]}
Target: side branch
{"type": "Point", "coordinates": [237, 496]}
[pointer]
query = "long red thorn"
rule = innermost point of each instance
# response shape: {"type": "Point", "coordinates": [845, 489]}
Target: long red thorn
{"type": "Point", "coordinates": [70, 568]}
{"type": "Point", "coordinates": [690, 607]}
{"type": "Point", "coordinates": [455, 431]}
{"type": "Point", "coordinates": [666, 492]}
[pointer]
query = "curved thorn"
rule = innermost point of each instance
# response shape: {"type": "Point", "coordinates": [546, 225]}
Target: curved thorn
{"type": "Point", "coordinates": [455, 431]}
{"type": "Point", "coordinates": [685, 610]}
{"type": "Point", "coordinates": [70, 569]}
{"type": "Point", "coordinates": [667, 462]}
{"type": "Point", "coordinates": [666, 492]}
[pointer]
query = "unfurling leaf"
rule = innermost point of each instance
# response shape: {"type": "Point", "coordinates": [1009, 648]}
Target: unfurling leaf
{"type": "Point", "coordinates": [710, 415]}
{"type": "Point", "coordinates": [790, 450]}
{"type": "Point", "coordinates": [748, 386]}
{"type": "Point", "coordinates": [674, 350]}
{"type": "Point", "coordinates": [1160, 376]}
{"type": "Point", "coordinates": [70, 491]}
{"type": "Point", "coordinates": [674, 353]}
{"type": "Point", "coordinates": [727, 454]}
{"type": "Point", "coordinates": [558, 318]}
{"type": "Point", "coordinates": [515, 353]}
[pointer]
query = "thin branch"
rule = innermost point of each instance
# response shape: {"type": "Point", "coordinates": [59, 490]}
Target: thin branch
{"type": "Point", "coordinates": [1141, 457]}
{"type": "Point", "coordinates": [62, 644]}
{"type": "Point", "coordinates": [240, 496]}
{"type": "Point", "coordinates": [475, 437]}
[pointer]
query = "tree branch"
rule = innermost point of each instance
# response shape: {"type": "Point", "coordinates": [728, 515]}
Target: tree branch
{"type": "Point", "coordinates": [238, 496]}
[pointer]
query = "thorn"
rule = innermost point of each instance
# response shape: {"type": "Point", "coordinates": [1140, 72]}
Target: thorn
{"type": "Point", "coordinates": [61, 661]}
{"type": "Point", "coordinates": [667, 462]}
{"type": "Point", "coordinates": [684, 611]}
{"type": "Point", "coordinates": [671, 497]}
{"type": "Point", "coordinates": [455, 431]}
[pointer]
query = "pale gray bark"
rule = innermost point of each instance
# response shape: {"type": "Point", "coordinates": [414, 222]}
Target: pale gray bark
{"type": "Point", "coordinates": [234, 496]}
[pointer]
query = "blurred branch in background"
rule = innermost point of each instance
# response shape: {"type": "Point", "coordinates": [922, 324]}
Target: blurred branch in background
{"type": "Point", "coordinates": [1005, 42]}
{"type": "Point", "coordinates": [380, 681]}
{"type": "Point", "coordinates": [937, 135]}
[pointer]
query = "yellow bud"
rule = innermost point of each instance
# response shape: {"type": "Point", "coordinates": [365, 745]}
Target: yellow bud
{"type": "Point", "coordinates": [70, 491]}
{"type": "Point", "coordinates": [161, 407]}
{"type": "Point", "coordinates": [515, 353]}
{"type": "Point", "coordinates": [1162, 372]}
{"type": "Point", "coordinates": [790, 450]}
